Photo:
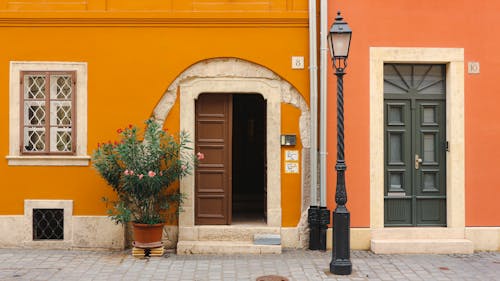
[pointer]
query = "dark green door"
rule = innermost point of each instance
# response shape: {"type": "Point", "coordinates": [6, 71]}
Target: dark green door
{"type": "Point", "coordinates": [415, 145]}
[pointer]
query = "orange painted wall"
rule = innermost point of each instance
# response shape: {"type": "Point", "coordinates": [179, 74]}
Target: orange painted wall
{"type": "Point", "coordinates": [130, 66]}
{"type": "Point", "coordinates": [472, 25]}
{"type": "Point", "coordinates": [291, 192]}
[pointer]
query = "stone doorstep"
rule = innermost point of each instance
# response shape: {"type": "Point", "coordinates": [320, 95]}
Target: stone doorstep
{"type": "Point", "coordinates": [233, 232]}
{"type": "Point", "coordinates": [422, 246]}
{"type": "Point", "coordinates": [225, 247]}
{"type": "Point", "coordinates": [418, 233]}
{"type": "Point", "coordinates": [267, 239]}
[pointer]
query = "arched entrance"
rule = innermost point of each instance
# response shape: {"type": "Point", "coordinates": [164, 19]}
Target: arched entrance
{"type": "Point", "coordinates": [236, 76]}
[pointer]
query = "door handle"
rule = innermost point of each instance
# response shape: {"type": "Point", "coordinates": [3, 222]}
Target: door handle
{"type": "Point", "coordinates": [418, 160]}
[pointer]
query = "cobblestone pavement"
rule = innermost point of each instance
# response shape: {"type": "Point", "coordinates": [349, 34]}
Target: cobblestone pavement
{"type": "Point", "coordinates": [22, 264]}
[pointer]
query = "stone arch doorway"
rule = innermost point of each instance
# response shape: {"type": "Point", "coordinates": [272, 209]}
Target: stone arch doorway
{"type": "Point", "coordinates": [233, 75]}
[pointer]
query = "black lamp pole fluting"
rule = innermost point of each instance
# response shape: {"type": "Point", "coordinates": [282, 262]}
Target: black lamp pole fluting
{"type": "Point", "coordinates": [339, 38]}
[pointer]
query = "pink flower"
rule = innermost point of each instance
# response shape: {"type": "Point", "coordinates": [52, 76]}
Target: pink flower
{"type": "Point", "coordinates": [161, 173]}
{"type": "Point", "coordinates": [140, 176]}
{"type": "Point", "coordinates": [151, 174]}
{"type": "Point", "coordinates": [200, 156]}
{"type": "Point", "coordinates": [119, 131]}
{"type": "Point", "coordinates": [126, 172]}
{"type": "Point", "coordinates": [131, 172]}
{"type": "Point", "coordinates": [183, 167]}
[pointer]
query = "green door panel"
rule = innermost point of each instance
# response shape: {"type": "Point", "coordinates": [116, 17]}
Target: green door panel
{"type": "Point", "coordinates": [414, 143]}
{"type": "Point", "coordinates": [398, 211]}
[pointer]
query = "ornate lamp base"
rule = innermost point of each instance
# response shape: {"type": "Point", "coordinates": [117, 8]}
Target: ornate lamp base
{"type": "Point", "coordinates": [341, 263]}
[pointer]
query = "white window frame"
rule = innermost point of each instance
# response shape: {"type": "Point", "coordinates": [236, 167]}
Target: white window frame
{"type": "Point", "coordinates": [15, 157]}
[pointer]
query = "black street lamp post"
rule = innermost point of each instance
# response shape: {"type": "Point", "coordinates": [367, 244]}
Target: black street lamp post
{"type": "Point", "coordinates": [339, 39]}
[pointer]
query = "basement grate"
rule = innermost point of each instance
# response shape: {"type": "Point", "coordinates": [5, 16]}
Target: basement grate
{"type": "Point", "coordinates": [48, 224]}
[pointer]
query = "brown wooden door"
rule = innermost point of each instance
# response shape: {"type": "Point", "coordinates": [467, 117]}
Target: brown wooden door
{"type": "Point", "coordinates": [213, 175]}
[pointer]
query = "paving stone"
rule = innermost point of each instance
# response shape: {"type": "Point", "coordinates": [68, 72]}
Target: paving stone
{"type": "Point", "coordinates": [31, 264]}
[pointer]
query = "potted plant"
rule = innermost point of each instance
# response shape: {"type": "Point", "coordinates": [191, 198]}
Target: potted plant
{"type": "Point", "coordinates": [141, 168]}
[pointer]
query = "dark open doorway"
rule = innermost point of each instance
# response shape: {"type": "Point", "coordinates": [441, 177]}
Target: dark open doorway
{"type": "Point", "coordinates": [249, 159]}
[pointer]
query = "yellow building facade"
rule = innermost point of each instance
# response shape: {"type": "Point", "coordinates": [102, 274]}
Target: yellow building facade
{"type": "Point", "coordinates": [130, 60]}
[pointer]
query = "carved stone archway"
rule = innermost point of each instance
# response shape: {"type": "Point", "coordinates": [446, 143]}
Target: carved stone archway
{"type": "Point", "coordinates": [219, 75]}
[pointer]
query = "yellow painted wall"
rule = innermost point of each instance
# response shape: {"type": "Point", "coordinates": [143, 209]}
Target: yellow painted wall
{"type": "Point", "coordinates": [132, 58]}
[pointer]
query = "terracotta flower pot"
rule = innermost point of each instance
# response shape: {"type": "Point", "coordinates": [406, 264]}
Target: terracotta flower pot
{"type": "Point", "coordinates": [147, 235]}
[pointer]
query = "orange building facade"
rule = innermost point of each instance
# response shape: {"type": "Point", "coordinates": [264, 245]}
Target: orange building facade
{"type": "Point", "coordinates": [82, 69]}
{"type": "Point", "coordinates": [420, 125]}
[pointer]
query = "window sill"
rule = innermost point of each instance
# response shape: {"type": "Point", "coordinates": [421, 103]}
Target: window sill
{"type": "Point", "coordinates": [15, 160]}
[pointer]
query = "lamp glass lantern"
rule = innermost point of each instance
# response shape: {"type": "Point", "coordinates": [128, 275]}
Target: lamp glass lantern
{"type": "Point", "coordinates": [339, 40]}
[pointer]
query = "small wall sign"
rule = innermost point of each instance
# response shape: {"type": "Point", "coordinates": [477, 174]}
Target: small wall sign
{"type": "Point", "coordinates": [291, 168]}
{"type": "Point", "coordinates": [297, 62]}
{"type": "Point", "coordinates": [291, 162]}
{"type": "Point", "coordinates": [473, 67]}
{"type": "Point", "coordinates": [291, 155]}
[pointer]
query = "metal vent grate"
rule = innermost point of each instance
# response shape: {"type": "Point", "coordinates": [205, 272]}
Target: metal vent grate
{"type": "Point", "coordinates": [48, 224]}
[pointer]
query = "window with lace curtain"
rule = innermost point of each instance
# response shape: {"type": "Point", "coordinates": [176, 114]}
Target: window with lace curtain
{"type": "Point", "coordinates": [48, 112]}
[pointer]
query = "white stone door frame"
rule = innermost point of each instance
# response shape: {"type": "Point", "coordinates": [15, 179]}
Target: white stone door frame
{"type": "Point", "coordinates": [455, 158]}
{"type": "Point", "coordinates": [189, 92]}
